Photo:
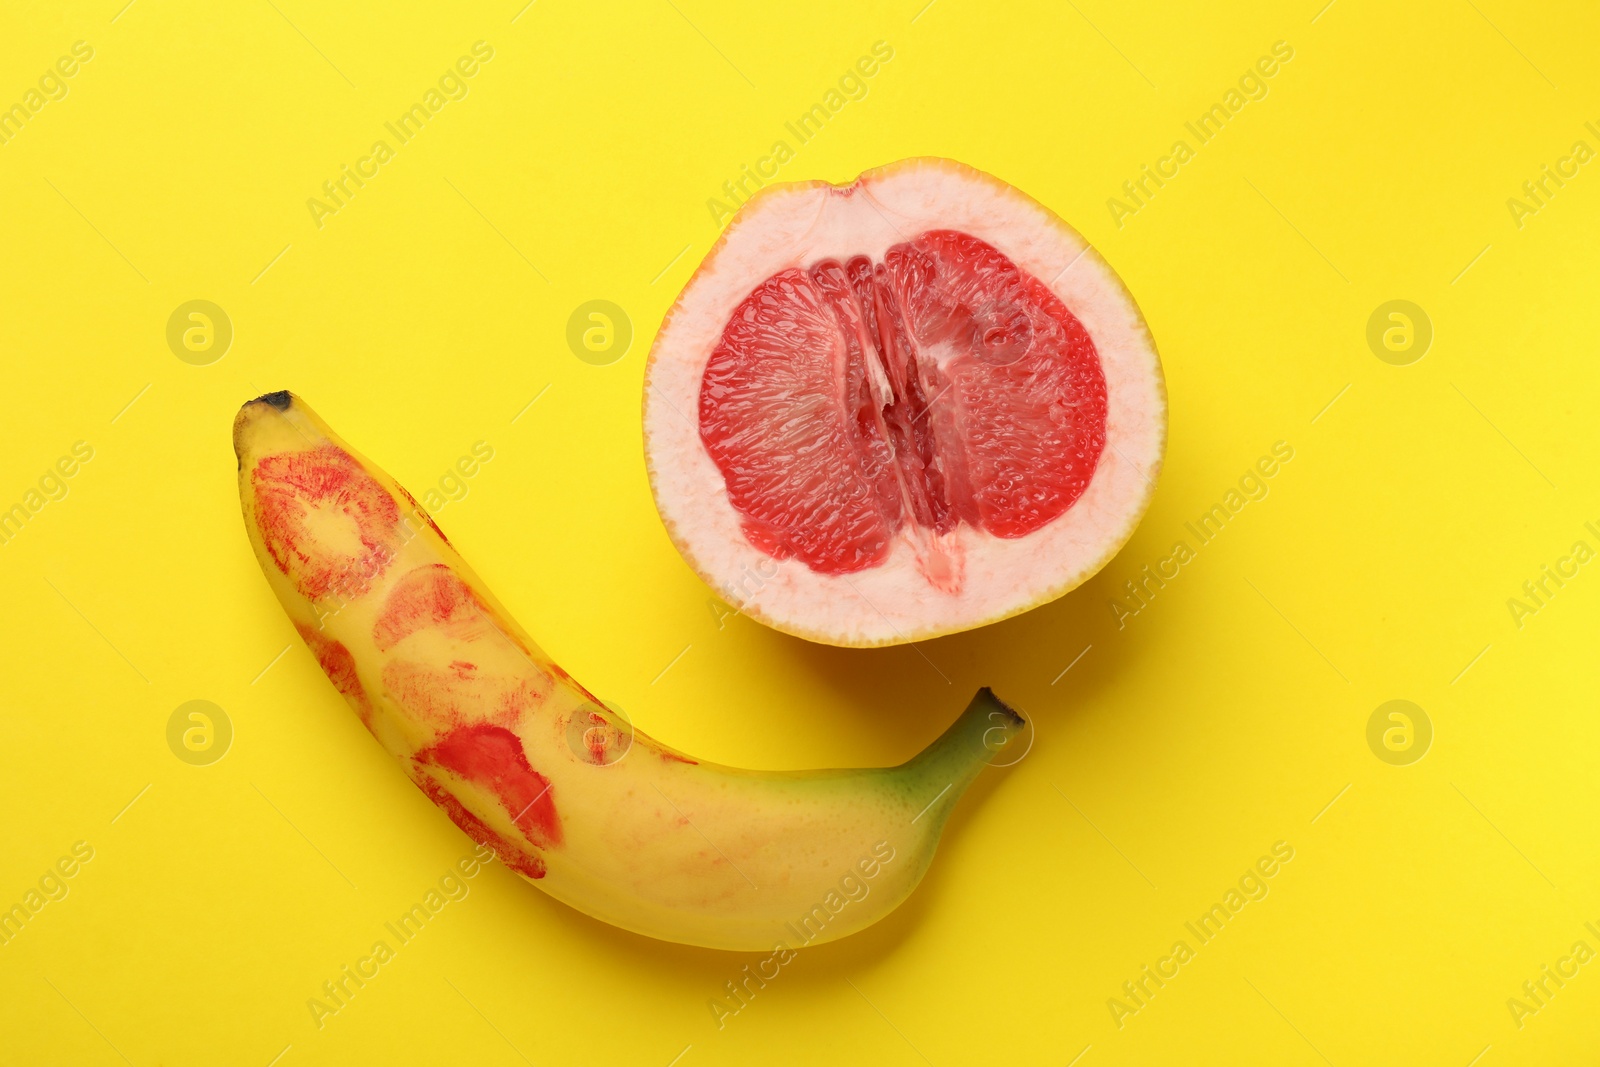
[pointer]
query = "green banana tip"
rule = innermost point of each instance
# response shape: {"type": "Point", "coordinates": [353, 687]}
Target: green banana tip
{"type": "Point", "coordinates": [1017, 717]}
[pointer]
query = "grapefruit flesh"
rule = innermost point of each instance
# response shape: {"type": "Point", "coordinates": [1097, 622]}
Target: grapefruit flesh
{"type": "Point", "coordinates": [901, 407]}
{"type": "Point", "coordinates": [941, 386]}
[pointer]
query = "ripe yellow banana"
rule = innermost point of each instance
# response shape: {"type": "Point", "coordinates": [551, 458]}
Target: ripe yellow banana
{"type": "Point", "coordinates": [527, 761]}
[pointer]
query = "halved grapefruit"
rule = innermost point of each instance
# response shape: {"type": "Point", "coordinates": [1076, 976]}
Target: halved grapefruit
{"type": "Point", "coordinates": [910, 405]}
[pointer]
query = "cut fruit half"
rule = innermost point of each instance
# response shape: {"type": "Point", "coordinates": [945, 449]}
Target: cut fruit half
{"type": "Point", "coordinates": [889, 410]}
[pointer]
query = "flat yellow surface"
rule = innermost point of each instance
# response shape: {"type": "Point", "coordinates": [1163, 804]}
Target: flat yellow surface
{"type": "Point", "coordinates": [422, 313]}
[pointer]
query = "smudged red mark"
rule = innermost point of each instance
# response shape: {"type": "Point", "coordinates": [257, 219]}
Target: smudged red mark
{"type": "Point", "coordinates": [431, 596]}
{"type": "Point", "coordinates": [461, 692]}
{"type": "Point", "coordinates": [492, 757]}
{"type": "Point", "coordinates": [668, 754]}
{"type": "Point", "coordinates": [594, 738]}
{"type": "Point", "coordinates": [422, 513]}
{"type": "Point", "coordinates": [340, 667]}
{"type": "Point", "coordinates": [289, 486]}
{"type": "Point", "coordinates": [556, 669]}
{"type": "Point", "coordinates": [509, 853]}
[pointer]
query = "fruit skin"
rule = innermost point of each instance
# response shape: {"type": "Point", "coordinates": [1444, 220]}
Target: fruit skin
{"type": "Point", "coordinates": [527, 761]}
{"type": "Point", "coordinates": [730, 580]}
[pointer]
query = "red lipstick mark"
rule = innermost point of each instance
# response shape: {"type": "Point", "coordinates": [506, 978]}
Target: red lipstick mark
{"type": "Point", "coordinates": [509, 853]}
{"type": "Point", "coordinates": [291, 485]}
{"type": "Point", "coordinates": [461, 692]}
{"type": "Point", "coordinates": [430, 597]}
{"type": "Point", "coordinates": [595, 739]}
{"type": "Point", "coordinates": [422, 513]}
{"type": "Point", "coordinates": [491, 756]}
{"type": "Point", "coordinates": [556, 669]}
{"type": "Point", "coordinates": [340, 667]}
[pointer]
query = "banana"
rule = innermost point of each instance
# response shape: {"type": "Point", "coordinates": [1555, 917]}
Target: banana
{"type": "Point", "coordinates": [530, 763]}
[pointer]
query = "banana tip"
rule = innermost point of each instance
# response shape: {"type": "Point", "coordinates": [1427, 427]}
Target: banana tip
{"type": "Point", "coordinates": [280, 399]}
{"type": "Point", "coordinates": [1016, 715]}
{"type": "Point", "coordinates": [249, 418]}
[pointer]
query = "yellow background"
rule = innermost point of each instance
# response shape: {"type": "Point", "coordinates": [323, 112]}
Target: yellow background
{"type": "Point", "coordinates": [433, 307]}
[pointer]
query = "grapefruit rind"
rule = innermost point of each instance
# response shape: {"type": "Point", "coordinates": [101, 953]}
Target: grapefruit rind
{"type": "Point", "coordinates": [795, 224]}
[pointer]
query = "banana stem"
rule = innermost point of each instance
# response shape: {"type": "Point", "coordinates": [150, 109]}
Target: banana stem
{"type": "Point", "coordinates": [982, 735]}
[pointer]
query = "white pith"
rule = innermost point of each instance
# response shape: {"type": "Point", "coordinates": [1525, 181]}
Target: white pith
{"type": "Point", "coordinates": [796, 225]}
